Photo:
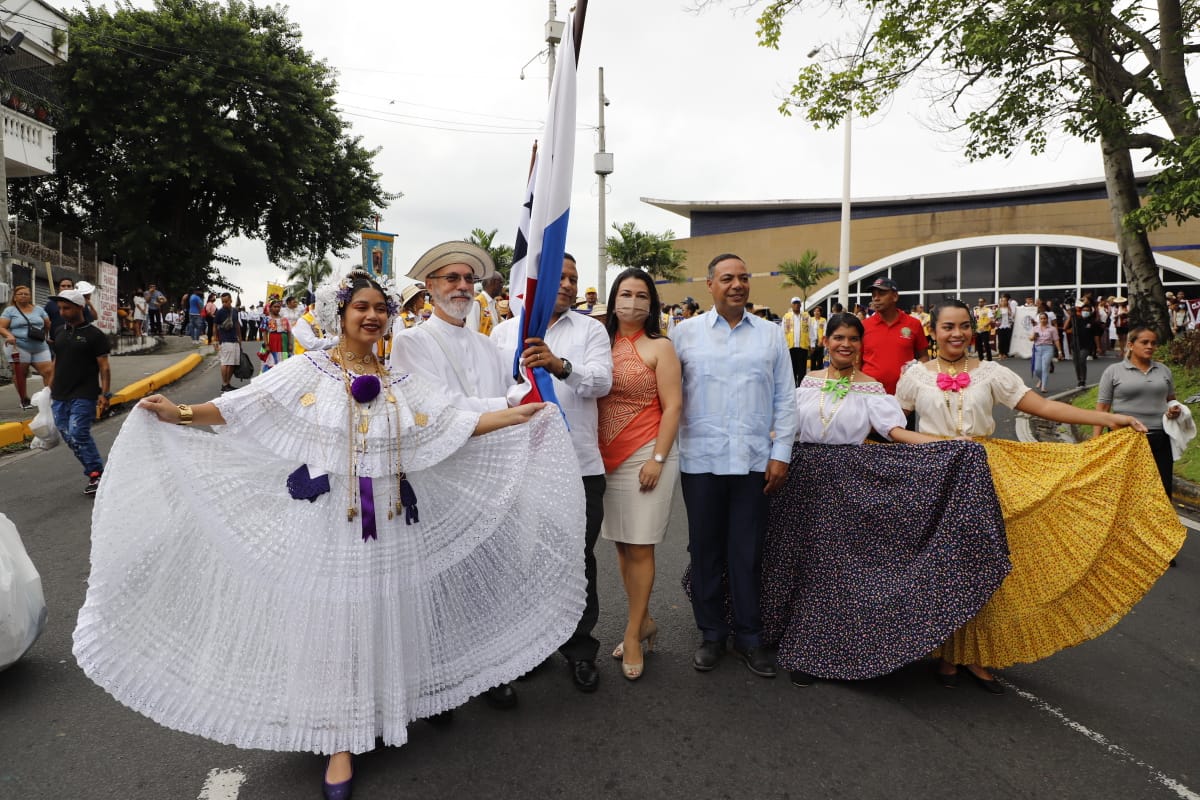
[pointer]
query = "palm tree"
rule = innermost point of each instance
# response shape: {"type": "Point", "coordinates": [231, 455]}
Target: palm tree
{"type": "Point", "coordinates": [502, 254]}
{"type": "Point", "coordinates": [652, 252]}
{"type": "Point", "coordinates": [307, 272]}
{"type": "Point", "coordinates": [804, 273]}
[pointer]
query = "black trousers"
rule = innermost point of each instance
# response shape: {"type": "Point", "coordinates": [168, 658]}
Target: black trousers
{"type": "Point", "coordinates": [582, 646]}
{"type": "Point", "coordinates": [799, 362]}
{"type": "Point", "coordinates": [818, 358]}
{"type": "Point", "coordinates": [1160, 448]}
{"type": "Point", "coordinates": [1080, 351]}
{"type": "Point", "coordinates": [1003, 340]}
{"type": "Point", "coordinates": [727, 522]}
{"type": "Point", "coordinates": [154, 320]}
{"type": "Point", "coordinates": [983, 345]}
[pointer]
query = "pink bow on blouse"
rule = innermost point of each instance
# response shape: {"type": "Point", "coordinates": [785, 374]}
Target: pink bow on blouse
{"type": "Point", "coordinates": [953, 383]}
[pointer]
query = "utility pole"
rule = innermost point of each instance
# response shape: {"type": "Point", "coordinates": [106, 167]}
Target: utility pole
{"type": "Point", "coordinates": [844, 231]}
{"type": "Point", "coordinates": [554, 33]}
{"type": "Point", "coordinates": [603, 167]}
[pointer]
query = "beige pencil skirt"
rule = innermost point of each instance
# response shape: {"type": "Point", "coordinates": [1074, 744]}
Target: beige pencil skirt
{"type": "Point", "coordinates": [631, 515]}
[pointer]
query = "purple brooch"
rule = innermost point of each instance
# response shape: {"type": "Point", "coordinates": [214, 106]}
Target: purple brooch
{"type": "Point", "coordinates": [365, 388]}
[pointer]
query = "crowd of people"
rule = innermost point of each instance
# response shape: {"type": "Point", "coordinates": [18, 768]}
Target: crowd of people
{"type": "Point", "coordinates": [369, 613]}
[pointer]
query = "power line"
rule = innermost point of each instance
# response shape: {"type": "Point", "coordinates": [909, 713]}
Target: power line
{"type": "Point", "coordinates": [441, 108]}
{"type": "Point", "coordinates": [501, 128]}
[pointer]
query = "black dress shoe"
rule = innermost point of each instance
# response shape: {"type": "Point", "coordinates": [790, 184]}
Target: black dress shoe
{"type": "Point", "coordinates": [585, 675]}
{"type": "Point", "coordinates": [708, 654]}
{"type": "Point", "coordinates": [801, 679]}
{"type": "Point", "coordinates": [503, 696]}
{"type": "Point", "coordinates": [758, 660]}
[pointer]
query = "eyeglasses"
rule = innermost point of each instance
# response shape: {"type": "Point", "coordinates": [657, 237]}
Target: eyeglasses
{"type": "Point", "coordinates": [454, 278]}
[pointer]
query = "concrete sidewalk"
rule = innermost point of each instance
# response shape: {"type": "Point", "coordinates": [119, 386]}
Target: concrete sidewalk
{"type": "Point", "coordinates": [127, 371]}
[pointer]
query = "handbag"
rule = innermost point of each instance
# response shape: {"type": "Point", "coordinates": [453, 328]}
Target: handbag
{"type": "Point", "coordinates": [34, 334]}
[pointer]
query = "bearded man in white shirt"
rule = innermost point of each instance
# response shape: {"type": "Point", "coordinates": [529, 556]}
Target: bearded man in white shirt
{"type": "Point", "coordinates": [446, 350]}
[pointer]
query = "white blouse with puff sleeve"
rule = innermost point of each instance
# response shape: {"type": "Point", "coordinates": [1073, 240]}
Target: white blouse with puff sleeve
{"type": "Point", "coordinates": [847, 420]}
{"type": "Point", "coordinates": [937, 411]}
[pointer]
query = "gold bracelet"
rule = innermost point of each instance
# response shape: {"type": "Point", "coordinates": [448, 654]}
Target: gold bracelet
{"type": "Point", "coordinates": [185, 415]}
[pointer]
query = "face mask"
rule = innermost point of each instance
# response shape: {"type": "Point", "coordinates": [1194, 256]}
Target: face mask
{"type": "Point", "coordinates": [633, 309]}
{"type": "Point", "coordinates": [1085, 314]}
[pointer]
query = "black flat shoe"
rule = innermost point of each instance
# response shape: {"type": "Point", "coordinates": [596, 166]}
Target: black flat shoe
{"type": "Point", "coordinates": [707, 655]}
{"type": "Point", "coordinates": [585, 675]}
{"type": "Point", "coordinates": [994, 686]}
{"type": "Point", "coordinates": [801, 679]}
{"type": "Point", "coordinates": [947, 679]}
{"type": "Point", "coordinates": [503, 696]}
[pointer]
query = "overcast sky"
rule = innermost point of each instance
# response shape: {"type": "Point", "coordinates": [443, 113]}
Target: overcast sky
{"type": "Point", "coordinates": [693, 116]}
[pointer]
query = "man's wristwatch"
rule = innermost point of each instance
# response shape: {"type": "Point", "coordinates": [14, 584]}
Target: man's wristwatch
{"type": "Point", "coordinates": [185, 414]}
{"type": "Point", "coordinates": [566, 371]}
{"type": "Point", "coordinates": [659, 458]}
{"type": "Point", "coordinates": [107, 395]}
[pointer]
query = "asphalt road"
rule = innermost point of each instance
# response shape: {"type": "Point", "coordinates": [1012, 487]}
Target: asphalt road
{"type": "Point", "coordinates": [1113, 718]}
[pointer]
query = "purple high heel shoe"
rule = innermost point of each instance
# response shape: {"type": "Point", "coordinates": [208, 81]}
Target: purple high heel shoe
{"type": "Point", "coordinates": [338, 791]}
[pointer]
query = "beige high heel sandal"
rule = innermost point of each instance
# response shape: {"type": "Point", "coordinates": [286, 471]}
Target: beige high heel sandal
{"type": "Point", "coordinates": [649, 638]}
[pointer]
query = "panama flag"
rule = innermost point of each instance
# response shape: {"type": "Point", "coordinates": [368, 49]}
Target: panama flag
{"type": "Point", "coordinates": [535, 276]}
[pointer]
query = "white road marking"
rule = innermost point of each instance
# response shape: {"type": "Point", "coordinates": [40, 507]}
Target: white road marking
{"type": "Point", "coordinates": [1114, 749]}
{"type": "Point", "coordinates": [1189, 523]}
{"type": "Point", "coordinates": [222, 784]}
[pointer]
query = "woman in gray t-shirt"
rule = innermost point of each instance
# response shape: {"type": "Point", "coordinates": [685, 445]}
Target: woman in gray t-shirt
{"type": "Point", "coordinates": [1142, 388]}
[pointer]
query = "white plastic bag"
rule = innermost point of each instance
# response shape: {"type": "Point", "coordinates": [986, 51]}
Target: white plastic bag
{"type": "Point", "coordinates": [45, 433]}
{"type": "Point", "coordinates": [22, 605]}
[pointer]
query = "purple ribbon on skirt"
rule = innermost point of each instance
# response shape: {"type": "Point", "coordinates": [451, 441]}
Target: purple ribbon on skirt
{"type": "Point", "coordinates": [366, 493]}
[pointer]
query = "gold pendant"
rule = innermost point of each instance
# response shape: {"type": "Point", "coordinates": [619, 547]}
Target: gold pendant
{"type": "Point", "coordinates": [308, 399]}
{"type": "Point", "coordinates": [351, 513]}
{"type": "Point", "coordinates": [391, 398]}
{"type": "Point", "coordinates": [421, 419]}
{"type": "Point", "coordinates": [364, 426]}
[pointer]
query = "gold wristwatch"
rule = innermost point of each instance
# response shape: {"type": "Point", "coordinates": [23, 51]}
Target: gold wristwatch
{"type": "Point", "coordinates": [185, 414]}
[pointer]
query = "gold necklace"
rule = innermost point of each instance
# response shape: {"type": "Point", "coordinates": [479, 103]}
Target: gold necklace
{"type": "Point", "coordinates": [837, 406]}
{"type": "Point", "coordinates": [962, 390]}
{"type": "Point", "coordinates": [358, 420]}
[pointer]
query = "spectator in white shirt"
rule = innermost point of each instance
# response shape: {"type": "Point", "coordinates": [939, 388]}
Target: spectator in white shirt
{"type": "Point", "coordinates": [577, 352]}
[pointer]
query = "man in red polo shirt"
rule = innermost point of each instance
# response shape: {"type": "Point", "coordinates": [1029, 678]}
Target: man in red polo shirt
{"type": "Point", "coordinates": [892, 338]}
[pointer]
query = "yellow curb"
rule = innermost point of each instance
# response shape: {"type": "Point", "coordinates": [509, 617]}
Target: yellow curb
{"type": "Point", "coordinates": [139, 389]}
{"type": "Point", "coordinates": [17, 432]}
{"type": "Point", "coordinates": [14, 432]}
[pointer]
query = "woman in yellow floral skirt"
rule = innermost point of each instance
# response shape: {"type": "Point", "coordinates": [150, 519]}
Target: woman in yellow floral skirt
{"type": "Point", "coordinates": [1085, 538]}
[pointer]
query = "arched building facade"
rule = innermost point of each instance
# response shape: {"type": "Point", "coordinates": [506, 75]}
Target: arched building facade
{"type": "Point", "coordinates": [1052, 241]}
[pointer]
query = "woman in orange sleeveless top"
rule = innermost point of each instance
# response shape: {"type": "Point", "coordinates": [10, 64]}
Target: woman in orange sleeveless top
{"type": "Point", "coordinates": [638, 422]}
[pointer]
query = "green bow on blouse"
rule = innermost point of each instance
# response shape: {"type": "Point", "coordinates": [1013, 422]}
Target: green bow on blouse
{"type": "Point", "coordinates": [837, 388]}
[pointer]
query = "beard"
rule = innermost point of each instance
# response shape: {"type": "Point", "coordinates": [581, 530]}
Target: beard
{"type": "Point", "coordinates": [456, 306]}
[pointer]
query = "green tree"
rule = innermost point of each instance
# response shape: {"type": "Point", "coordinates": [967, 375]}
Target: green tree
{"type": "Point", "coordinates": [502, 254]}
{"type": "Point", "coordinates": [308, 272]}
{"type": "Point", "coordinates": [1011, 71]}
{"type": "Point", "coordinates": [192, 122]}
{"type": "Point", "coordinates": [805, 272]}
{"type": "Point", "coordinates": [652, 252]}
